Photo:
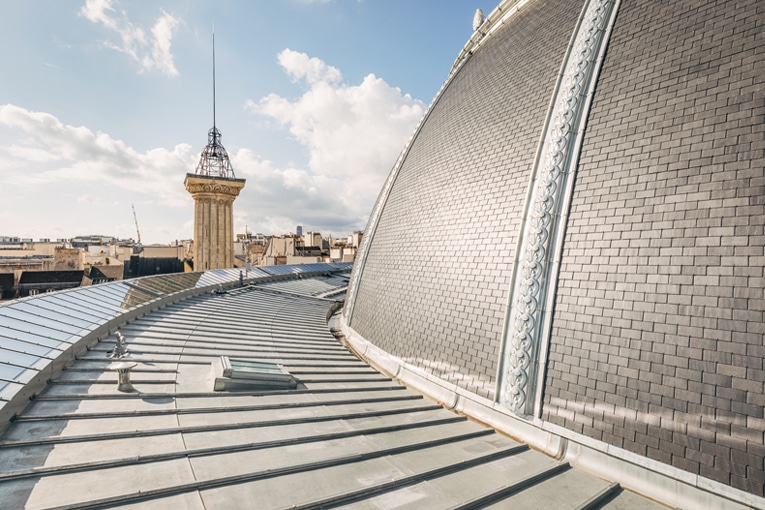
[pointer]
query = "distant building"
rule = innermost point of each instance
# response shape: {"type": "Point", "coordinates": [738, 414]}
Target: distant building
{"type": "Point", "coordinates": [277, 249]}
{"type": "Point", "coordinates": [103, 274]}
{"type": "Point", "coordinates": [69, 259]}
{"type": "Point", "coordinates": [7, 286]}
{"type": "Point", "coordinates": [355, 238]}
{"type": "Point", "coordinates": [309, 248]}
{"type": "Point", "coordinates": [313, 239]}
{"type": "Point", "coordinates": [98, 259]}
{"type": "Point", "coordinates": [147, 266]}
{"type": "Point", "coordinates": [37, 282]}
{"type": "Point", "coordinates": [342, 253]}
{"type": "Point", "coordinates": [92, 240]}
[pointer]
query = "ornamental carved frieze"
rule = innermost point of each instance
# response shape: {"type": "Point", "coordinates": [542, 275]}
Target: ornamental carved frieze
{"type": "Point", "coordinates": [527, 328]}
{"type": "Point", "coordinates": [197, 185]}
{"type": "Point", "coordinates": [207, 188]}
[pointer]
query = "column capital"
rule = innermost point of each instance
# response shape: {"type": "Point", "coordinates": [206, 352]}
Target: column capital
{"type": "Point", "coordinates": [198, 184]}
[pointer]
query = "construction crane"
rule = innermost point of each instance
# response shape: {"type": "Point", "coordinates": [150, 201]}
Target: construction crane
{"type": "Point", "coordinates": [139, 247]}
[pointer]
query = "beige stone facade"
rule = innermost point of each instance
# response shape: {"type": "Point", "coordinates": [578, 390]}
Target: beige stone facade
{"type": "Point", "coordinates": [69, 259]}
{"type": "Point", "coordinates": [213, 220]}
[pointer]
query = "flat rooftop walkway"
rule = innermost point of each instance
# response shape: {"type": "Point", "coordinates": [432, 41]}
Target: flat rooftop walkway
{"type": "Point", "coordinates": [345, 437]}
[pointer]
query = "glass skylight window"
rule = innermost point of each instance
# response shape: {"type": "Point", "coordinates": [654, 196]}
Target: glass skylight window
{"type": "Point", "coordinates": [234, 374]}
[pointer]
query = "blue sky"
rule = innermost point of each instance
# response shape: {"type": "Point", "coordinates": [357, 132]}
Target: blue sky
{"type": "Point", "coordinates": [104, 104]}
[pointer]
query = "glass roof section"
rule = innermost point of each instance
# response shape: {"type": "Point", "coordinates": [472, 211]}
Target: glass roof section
{"type": "Point", "coordinates": [298, 269]}
{"type": "Point", "coordinates": [34, 331]}
{"type": "Point", "coordinates": [169, 284]}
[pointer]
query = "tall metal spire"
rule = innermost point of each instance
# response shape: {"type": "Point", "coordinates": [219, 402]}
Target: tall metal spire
{"type": "Point", "coordinates": [213, 37]}
{"type": "Point", "coordinates": [214, 161]}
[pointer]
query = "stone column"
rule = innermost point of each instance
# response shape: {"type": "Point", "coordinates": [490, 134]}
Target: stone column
{"type": "Point", "coordinates": [213, 220]}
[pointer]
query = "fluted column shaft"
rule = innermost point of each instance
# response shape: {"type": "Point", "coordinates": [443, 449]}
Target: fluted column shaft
{"type": "Point", "coordinates": [213, 220]}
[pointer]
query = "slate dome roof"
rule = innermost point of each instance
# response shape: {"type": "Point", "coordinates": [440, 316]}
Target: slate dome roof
{"type": "Point", "coordinates": [573, 236]}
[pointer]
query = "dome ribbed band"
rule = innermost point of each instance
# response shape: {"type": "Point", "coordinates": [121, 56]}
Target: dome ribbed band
{"type": "Point", "coordinates": [536, 266]}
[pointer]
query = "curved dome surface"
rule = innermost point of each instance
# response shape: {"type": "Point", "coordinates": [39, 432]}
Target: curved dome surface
{"type": "Point", "coordinates": [574, 234]}
{"type": "Point", "coordinates": [434, 286]}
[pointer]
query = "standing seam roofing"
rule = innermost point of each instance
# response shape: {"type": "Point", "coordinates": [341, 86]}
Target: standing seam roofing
{"type": "Point", "coordinates": [347, 436]}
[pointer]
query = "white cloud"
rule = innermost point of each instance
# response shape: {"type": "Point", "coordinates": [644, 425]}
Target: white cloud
{"type": "Point", "coordinates": [299, 65]}
{"type": "Point", "coordinates": [61, 180]}
{"type": "Point", "coordinates": [92, 200]}
{"type": "Point", "coordinates": [162, 58]}
{"type": "Point", "coordinates": [151, 52]}
{"type": "Point", "coordinates": [274, 200]}
{"type": "Point", "coordinates": [353, 134]}
{"type": "Point", "coordinates": [50, 151]}
{"type": "Point", "coordinates": [70, 180]}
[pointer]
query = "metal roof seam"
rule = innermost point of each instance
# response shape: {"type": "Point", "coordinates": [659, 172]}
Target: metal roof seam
{"type": "Point", "coordinates": [221, 450]}
{"type": "Point", "coordinates": [199, 485]}
{"type": "Point", "coordinates": [206, 428]}
{"type": "Point", "coordinates": [226, 409]}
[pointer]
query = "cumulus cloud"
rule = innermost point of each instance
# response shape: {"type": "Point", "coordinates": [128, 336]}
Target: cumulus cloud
{"type": "Point", "coordinates": [62, 180]}
{"type": "Point", "coordinates": [151, 52]}
{"type": "Point", "coordinates": [352, 132]}
{"type": "Point", "coordinates": [299, 65]}
{"type": "Point", "coordinates": [276, 199]}
{"type": "Point", "coordinates": [51, 151]}
{"type": "Point", "coordinates": [92, 200]}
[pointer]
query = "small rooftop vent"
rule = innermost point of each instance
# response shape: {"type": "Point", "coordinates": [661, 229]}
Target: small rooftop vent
{"type": "Point", "coordinates": [233, 374]}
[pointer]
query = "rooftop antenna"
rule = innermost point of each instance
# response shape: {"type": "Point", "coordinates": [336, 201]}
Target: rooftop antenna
{"type": "Point", "coordinates": [214, 161]}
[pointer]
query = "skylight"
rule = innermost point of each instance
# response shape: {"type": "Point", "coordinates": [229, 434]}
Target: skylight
{"type": "Point", "coordinates": [232, 374]}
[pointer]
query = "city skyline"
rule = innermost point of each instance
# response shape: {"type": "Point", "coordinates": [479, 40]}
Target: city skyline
{"type": "Point", "coordinates": [107, 104]}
